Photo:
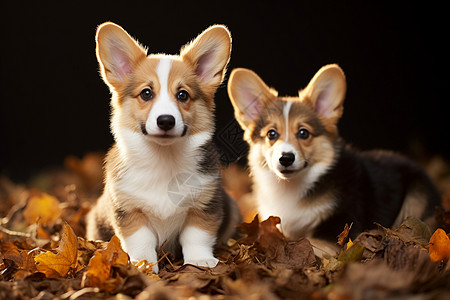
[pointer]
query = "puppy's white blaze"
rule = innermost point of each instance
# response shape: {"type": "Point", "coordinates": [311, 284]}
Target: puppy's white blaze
{"type": "Point", "coordinates": [163, 70]}
{"type": "Point", "coordinates": [164, 104]}
{"type": "Point", "coordinates": [197, 247]}
{"type": "Point", "coordinates": [286, 110]}
{"type": "Point", "coordinates": [141, 245]}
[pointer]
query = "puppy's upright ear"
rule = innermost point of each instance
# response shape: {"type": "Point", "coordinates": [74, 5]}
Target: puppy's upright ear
{"type": "Point", "coordinates": [209, 54]}
{"type": "Point", "coordinates": [117, 53]}
{"type": "Point", "coordinates": [325, 92]}
{"type": "Point", "coordinates": [249, 95]}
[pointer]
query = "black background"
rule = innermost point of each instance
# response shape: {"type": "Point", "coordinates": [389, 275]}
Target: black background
{"type": "Point", "coordinates": [53, 102]}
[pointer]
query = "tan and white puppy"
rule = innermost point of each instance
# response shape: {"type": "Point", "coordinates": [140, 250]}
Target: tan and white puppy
{"type": "Point", "coordinates": [304, 173]}
{"type": "Point", "coordinates": [162, 176]}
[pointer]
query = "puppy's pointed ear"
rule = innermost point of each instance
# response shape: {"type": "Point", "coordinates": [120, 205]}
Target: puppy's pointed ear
{"type": "Point", "coordinates": [326, 91]}
{"type": "Point", "coordinates": [249, 95]}
{"type": "Point", "coordinates": [209, 54]}
{"type": "Point", "coordinates": [117, 53]}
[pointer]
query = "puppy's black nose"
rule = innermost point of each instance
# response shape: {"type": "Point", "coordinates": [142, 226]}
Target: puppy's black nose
{"type": "Point", "coordinates": [165, 122]}
{"type": "Point", "coordinates": [287, 159]}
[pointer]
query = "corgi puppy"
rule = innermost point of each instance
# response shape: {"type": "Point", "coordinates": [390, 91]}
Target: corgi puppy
{"type": "Point", "coordinates": [162, 175]}
{"type": "Point", "coordinates": [305, 174]}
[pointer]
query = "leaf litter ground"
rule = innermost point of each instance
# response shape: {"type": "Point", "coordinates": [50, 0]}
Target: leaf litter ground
{"type": "Point", "coordinates": [44, 253]}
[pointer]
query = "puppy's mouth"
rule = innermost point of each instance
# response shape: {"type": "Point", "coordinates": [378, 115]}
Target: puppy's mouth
{"type": "Point", "coordinates": [164, 134]}
{"type": "Point", "coordinates": [288, 173]}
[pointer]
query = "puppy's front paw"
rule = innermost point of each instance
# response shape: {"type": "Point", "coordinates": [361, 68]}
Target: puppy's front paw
{"type": "Point", "coordinates": [209, 262]}
{"type": "Point", "coordinates": [197, 247]}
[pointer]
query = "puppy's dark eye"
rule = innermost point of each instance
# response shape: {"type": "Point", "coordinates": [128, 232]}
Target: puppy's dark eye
{"type": "Point", "coordinates": [303, 133]}
{"type": "Point", "coordinates": [272, 135]}
{"type": "Point", "coordinates": [182, 96]}
{"type": "Point", "coordinates": [147, 94]}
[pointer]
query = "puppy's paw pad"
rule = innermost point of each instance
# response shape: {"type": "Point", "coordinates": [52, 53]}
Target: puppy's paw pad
{"type": "Point", "coordinates": [209, 262]}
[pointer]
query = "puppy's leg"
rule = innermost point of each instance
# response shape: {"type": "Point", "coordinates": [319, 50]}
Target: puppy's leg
{"type": "Point", "coordinates": [198, 238]}
{"type": "Point", "coordinates": [142, 245]}
{"type": "Point", "coordinates": [137, 238]}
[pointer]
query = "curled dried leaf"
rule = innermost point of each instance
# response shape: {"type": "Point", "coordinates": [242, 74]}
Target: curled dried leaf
{"type": "Point", "coordinates": [99, 267]}
{"type": "Point", "coordinates": [344, 234]}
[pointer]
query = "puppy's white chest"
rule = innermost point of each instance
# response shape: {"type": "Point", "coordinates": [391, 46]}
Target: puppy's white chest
{"type": "Point", "coordinates": [157, 195]}
{"type": "Point", "coordinates": [299, 216]}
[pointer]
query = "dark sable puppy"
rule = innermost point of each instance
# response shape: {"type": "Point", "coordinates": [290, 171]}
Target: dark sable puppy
{"type": "Point", "coordinates": [305, 174]}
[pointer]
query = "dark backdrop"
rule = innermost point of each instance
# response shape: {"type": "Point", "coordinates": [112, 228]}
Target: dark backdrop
{"type": "Point", "coordinates": [53, 102]}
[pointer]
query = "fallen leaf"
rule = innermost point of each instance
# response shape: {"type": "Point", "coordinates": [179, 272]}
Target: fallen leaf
{"type": "Point", "coordinates": [349, 243]}
{"type": "Point", "coordinates": [439, 246]}
{"type": "Point", "coordinates": [99, 267]}
{"type": "Point", "coordinates": [372, 241]}
{"type": "Point", "coordinates": [145, 267]}
{"type": "Point", "coordinates": [8, 268]}
{"type": "Point", "coordinates": [42, 206]}
{"type": "Point", "coordinates": [344, 234]}
{"type": "Point", "coordinates": [353, 254]}
{"type": "Point", "coordinates": [268, 244]}
{"type": "Point", "coordinates": [23, 258]}
{"type": "Point", "coordinates": [293, 255]}
{"type": "Point", "coordinates": [412, 230]}
{"type": "Point", "coordinates": [58, 264]}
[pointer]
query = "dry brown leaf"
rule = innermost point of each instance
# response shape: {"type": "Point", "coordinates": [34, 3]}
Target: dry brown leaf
{"type": "Point", "coordinates": [269, 233]}
{"type": "Point", "coordinates": [23, 258]}
{"type": "Point", "coordinates": [99, 268]}
{"type": "Point", "coordinates": [412, 230]}
{"type": "Point", "coordinates": [44, 207]}
{"type": "Point", "coordinates": [344, 234]}
{"type": "Point", "coordinates": [58, 264]}
{"type": "Point", "coordinates": [439, 247]}
{"type": "Point", "coordinates": [271, 246]}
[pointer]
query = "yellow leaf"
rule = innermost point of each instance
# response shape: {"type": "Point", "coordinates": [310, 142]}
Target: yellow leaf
{"type": "Point", "coordinates": [146, 267]}
{"type": "Point", "coordinates": [439, 246]}
{"type": "Point", "coordinates": [58, 264]}
{"type": "Point", "coordinates": [350, 243]}
{"type": "Point", "coordinates": [43, 207]}
{"type": "Point", "coordinates": [99, 267]}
